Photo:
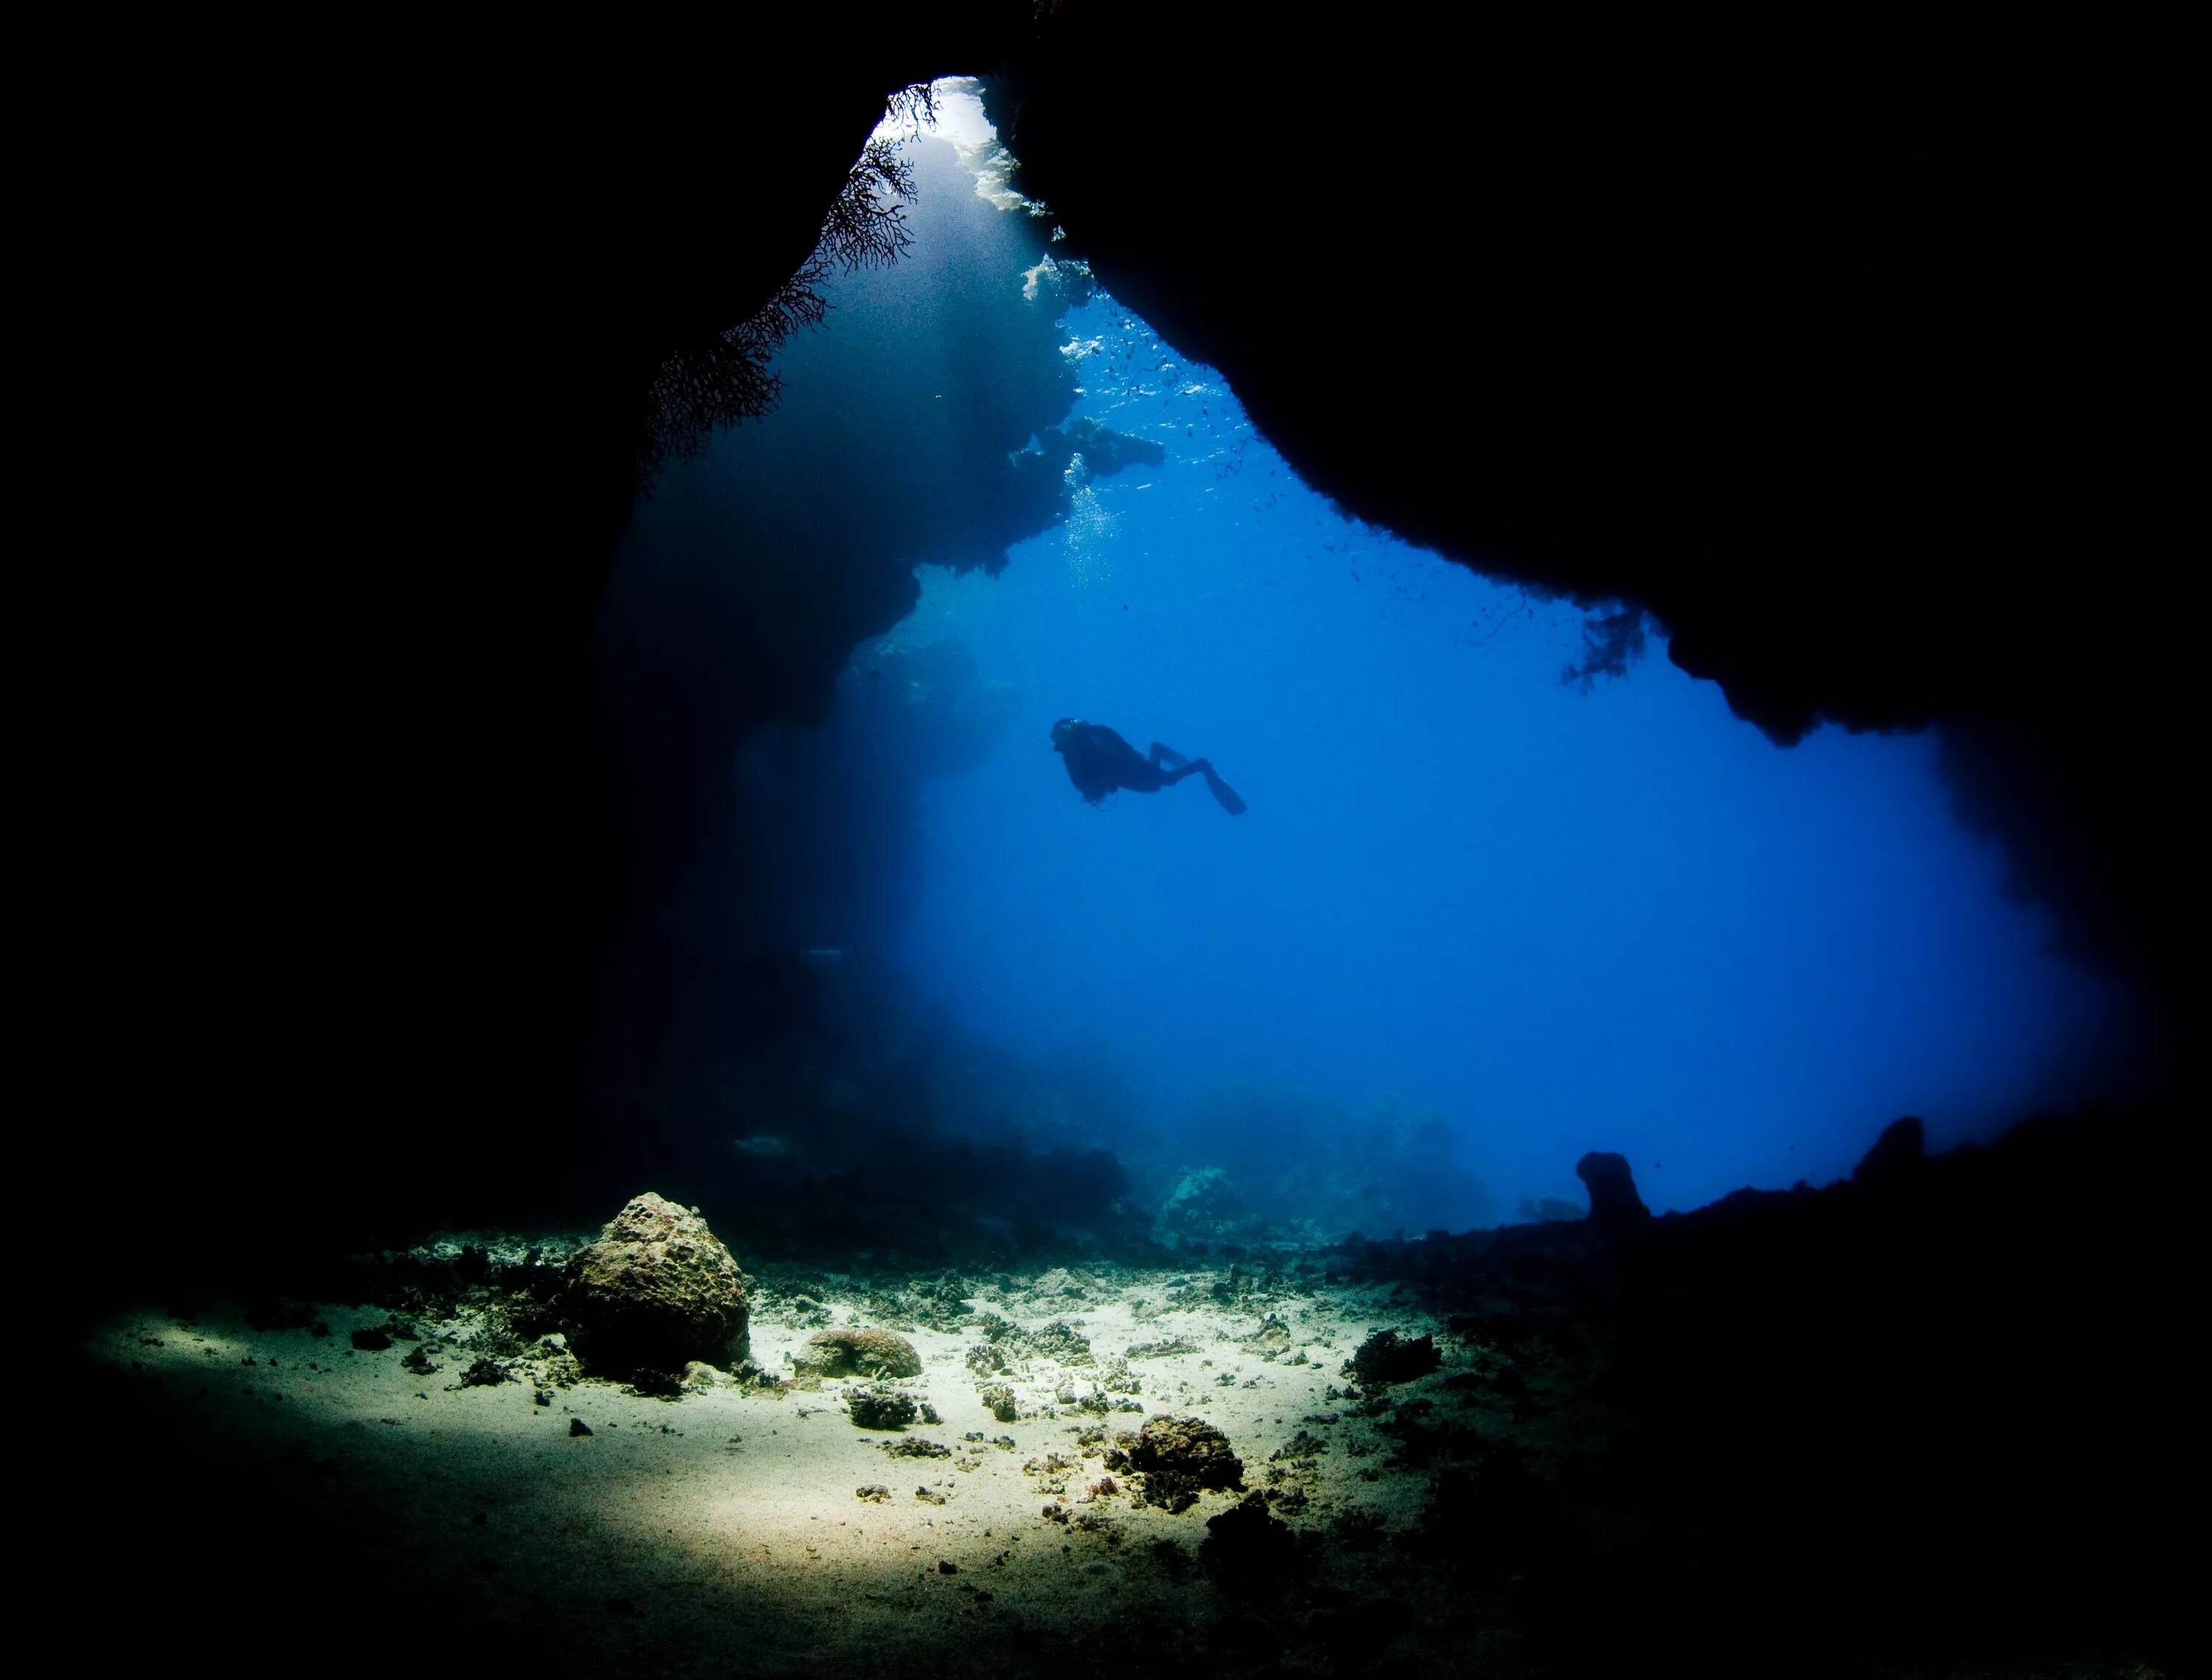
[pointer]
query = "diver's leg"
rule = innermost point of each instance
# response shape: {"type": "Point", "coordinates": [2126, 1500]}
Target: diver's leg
{"type": "Point", "coordinates": [1166, 756]}
{"type": "Point", "coordinates": [1189, 767]}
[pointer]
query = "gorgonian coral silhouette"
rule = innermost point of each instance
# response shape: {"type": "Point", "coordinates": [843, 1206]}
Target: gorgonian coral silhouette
{"type": "Point", "coordinates": [1611, 643]}
{"type": "Point", "coordinates": [698, 390]}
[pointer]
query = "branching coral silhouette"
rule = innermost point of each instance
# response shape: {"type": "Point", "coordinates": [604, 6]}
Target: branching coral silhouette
{"type": "Point", "coordinates": [1610, 643]}
{"type": "Point", "coordinates": [728, 379]}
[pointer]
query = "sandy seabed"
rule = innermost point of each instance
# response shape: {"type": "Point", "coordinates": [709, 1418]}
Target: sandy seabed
{"type": "Point", "coordinates": [725, 1531]}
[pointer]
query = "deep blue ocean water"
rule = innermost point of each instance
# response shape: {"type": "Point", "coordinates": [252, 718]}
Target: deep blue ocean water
{"type": "Point", "coordinates": [1533, 916]}
{"type": "Point", "coordinates": [1564, 921]}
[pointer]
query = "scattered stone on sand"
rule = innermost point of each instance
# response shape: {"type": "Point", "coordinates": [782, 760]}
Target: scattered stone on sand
{"type": "Point", "coordinates": [1164, 1349]}
{"type": "Point", "coordinates": [998, 1399]}
{"type": "Point", "coordinates": [875, 1493]}
{"type": "Point", "coordinates": [873, 1408]}
{"type": "Point", "coordinates": [988, 1360]}
{"type": "Point", "coordinates": [578, 1426]}
{"type": "Point", "coordinates": [419, 1361]}
{"type": "Point", "coordinates": [1060, 1285]}
{"type": "Point", "coordinates": [657, 1291]}
{"type": "Point", "coordinates": [1272, 1338]}
{"type": "Point", "coordinates": [700, 1377]}
{"type": "Point", "coordinates": [371, 1339]}
{"type": "Point", "coordinates": [1176, 1458]}
{"type": "Point", "coordinates": [916, 1446]}
{"type": "Point", "coordinates": [1062, 1340]}
{"type": "Point", "coordinates": [943, 1304]}
{"type": "Point", "coordinates": [485, 1373]}
{"type": "Point", "coordinates": [857, 1353]}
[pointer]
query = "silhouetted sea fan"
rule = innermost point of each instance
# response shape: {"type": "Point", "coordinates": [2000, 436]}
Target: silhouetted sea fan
{"type": "Point", "coordinates": [728, 379]}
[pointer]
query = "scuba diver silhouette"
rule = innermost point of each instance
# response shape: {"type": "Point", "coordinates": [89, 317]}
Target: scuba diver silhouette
{"type": "Point", "coordinates": [1099, 761]}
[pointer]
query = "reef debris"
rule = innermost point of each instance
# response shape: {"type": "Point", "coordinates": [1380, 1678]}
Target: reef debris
{"type": "Point", "coordinates": [881, 1408]}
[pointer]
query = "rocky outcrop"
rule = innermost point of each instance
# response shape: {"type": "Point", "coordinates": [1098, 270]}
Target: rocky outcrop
{"type": "Point", "coordinates": [657, 1291]}
{"type": "Point", "coordinates": [1176, 1458]}
{"type": "Point", "coordinates": [1205, 1207]}
{"type": "Point", "coordinates": [1386, 1358]}
{"type": "Point", "coordinates": [881, 1408]}
{"type": "Point", "coordinates": [1612, 1187]}
{"type": "Point", "coordinates": [861, 1353]}
{"type": "Point", "coordinates": [1902, 1147]}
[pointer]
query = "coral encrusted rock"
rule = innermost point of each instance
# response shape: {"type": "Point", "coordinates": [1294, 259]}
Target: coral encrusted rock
{"type": "Point", "coordinates": [865, 1353]}
{"type": "Point", "coordinates": [657, 1291]}
{"type": "Point", "coordinates": [1177, 1457]}
{"type": "Point", "coordinates": [1386, 1357]}
{"type": "Point", "coordinates": [886, 1410]}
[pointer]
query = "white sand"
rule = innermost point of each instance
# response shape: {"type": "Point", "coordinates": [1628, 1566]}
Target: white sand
{"type": "Point", "coordinates": [728, 1521]}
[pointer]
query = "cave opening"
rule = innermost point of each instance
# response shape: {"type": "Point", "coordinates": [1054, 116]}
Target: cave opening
{"type": "Point", "coordinates": [1576, 1166]}
{"type": "Point", "coordinates": [1515, 886]}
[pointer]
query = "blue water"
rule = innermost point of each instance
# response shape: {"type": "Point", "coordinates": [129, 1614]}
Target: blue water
{"type": "Point", "coordinates": [1562, 921]}
{"type": "Point", "coordinates": [1519, 917]}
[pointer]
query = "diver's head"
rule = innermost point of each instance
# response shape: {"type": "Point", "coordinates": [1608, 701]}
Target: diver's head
{"type": "Point", "coordinates": [1063, 729]}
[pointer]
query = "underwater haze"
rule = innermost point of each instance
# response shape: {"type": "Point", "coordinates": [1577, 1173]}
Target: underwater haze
{"type": "Point", "coordinates": [1510, 886]}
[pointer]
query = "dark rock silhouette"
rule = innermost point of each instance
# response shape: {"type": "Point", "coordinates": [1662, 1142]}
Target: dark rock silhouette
{"type": "Point", "coordinates": [1902, 1146]}
{"type": "Point", "coordinates": [1831, 1392]}
{"type": "Point", "coordinates": [1612, 1187]}
{"type": "Point", "coordinates": [1386, 1357]}
{"type": "Point", "coordinates": [1248, 1546]}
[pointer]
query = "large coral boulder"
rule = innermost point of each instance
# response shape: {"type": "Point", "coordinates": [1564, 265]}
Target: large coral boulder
{"type": "Point", "coordinates": [657, 1291]}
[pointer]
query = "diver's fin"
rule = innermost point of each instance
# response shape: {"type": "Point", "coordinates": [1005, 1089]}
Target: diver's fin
{"type": "Point", "coordinates": [1225, 793]}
